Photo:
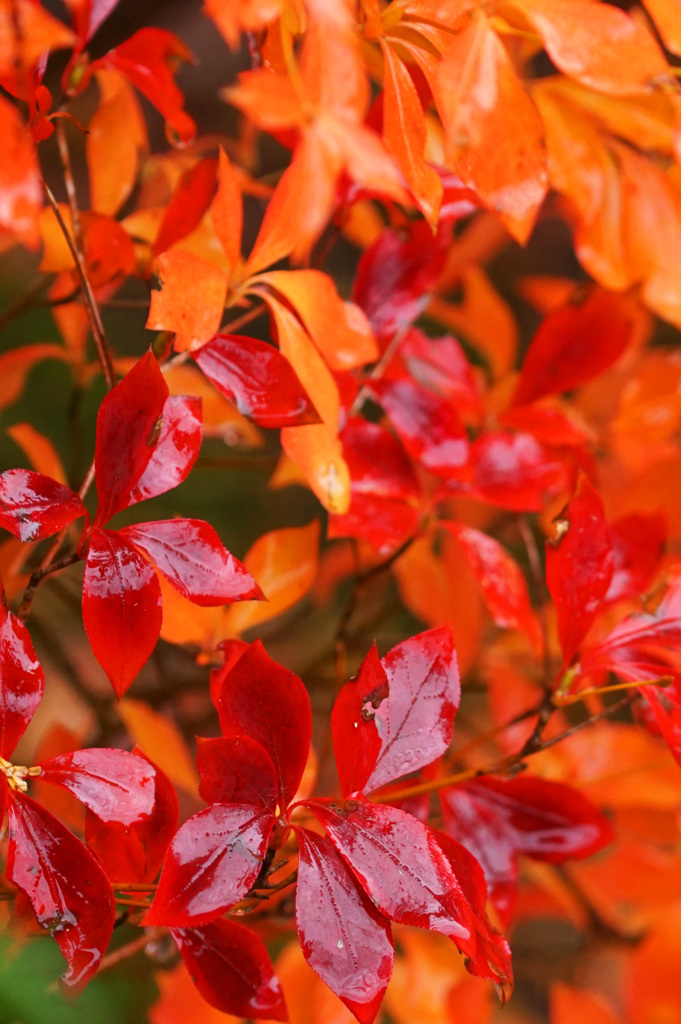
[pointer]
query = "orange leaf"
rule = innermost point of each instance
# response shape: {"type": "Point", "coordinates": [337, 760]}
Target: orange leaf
{"type": "Point", "coordinates": [597, 44]}
{"type": "Point", "coordinates": [181, 1003]}
{"type": "Point", "coordinates": [16, 365]}
{"type": "Point", "coordinates": [117, 137]}
{"type": "Point", "coordinates": [284, 562]}
{"type": "Point", "coordinates": [572, 1004]}
{"type": "Point", "coordinates": [21, 194]}
{"type": "Point", "coordinates": [162, 742]}
{"type": "Point", "coordinates": [27, 33]}
{"type": "Point", "coordinates": [440, 588]}
{"type": "Point", "coordinates": [494, 135]}
{"type": "Point", "coordinates": [191, 300]}
{"type": "Point", "coordinates": [315, 448]}
{"type": "Point", "coordinates": [233, 17]}
{"type": "Point", "coordinates": [652, 217]}
{"type": "Point", "coordinates": [404, 131]}
{"type": "Point", "coordinates": [226, 211]}
{"type": "Point", "coordinates": [653, 977]}
{"type": "Point", "coordinates": [339, 329]}
{"type": "Point", "coordinates": [39, 449]}
{"type": "Point", "coordinates": [667, 17]}
{"type": "Point", "coordinates": [187, 623]}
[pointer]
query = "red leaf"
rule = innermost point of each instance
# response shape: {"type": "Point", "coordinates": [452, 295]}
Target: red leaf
{"type": "Point", "coordinates": [496, 820]}
{"type": "Point", "coordinates": [147, 59]}
{"type": "Point", "coordinates": [428, 425]}
{"type": "Point", "coordinates": [236, 770]}
{"type": "Point", "coordinates": [231, 968]}
{"type": "Point", "coordinates": [128, 422]}
{"type": "Point", "coordinates": [88, 15]}
{"type": "Point", "coordinates": [114, 784]}
{"type": "Point", "coordinates": [384, 492]}
{"type": "Point", "coordinates": [574, 344]}
{"type": "Point", "coordinates": [579, 566]}
{"type": "Point", "coordinates": [638, 649]}
{"type": "Point", "coordinates": [399, 865]}
{"type": "Point", "coordinates": [415, 722]}
{"type": "Point", "coordinates": [121, 607]}
{"type": "Point", "coordinates": [638, 543]}
{"type": "Point", "coordinates": [441, 365]}
{"type": "Point", "coordinates": [515, 471]}
{"type": "Point", "coordinates": [191, 556]}
{"type": "Point", "coordinates": [135, 853]}
{"type": "Point", "coordinates": [260, 699]}
{"type": "Point", "coordinates": [258, 379]}
{"type": "Point", "coordinates": [21, 679]}
{"type": "Point", "coordinates": [210, 865]}
{"type": "Point", "coordinates": [342, 935]}
{"type": "Point", "coordinates": [501, 580]}
{"type": "Point", "coordinates": [176, 450]}
{"type": "Point", "coordinates": [33, 506]}
{"type": "Point", "coordinates": [68, 890]}
{"type": "Point", "coordinates": [356, 732]}
{"type": "Point", "coordinates": [397, 274]}
{"type": "Point", "coordinates": [487, 953]}
{"type": "Point", "coordinates": [192, 196]}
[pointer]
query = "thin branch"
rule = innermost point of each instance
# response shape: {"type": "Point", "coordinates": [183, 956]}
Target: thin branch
{"type": "Point", "coordinates": [88, 297]}
{"type": "Point", "coordinates": [36, 577]}
{"type": "Point", "coordinates": [132, 948]}
{"type": "Point", "coordinates": [500, 767]}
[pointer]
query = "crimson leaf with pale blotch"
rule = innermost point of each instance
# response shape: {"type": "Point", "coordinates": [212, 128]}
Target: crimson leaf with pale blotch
{"type": "Point", "coordinates": [376, 863]}
{"type": "Point", "coordinates": [67, 888]}
{"type": "Point", "coordinates": [498, 819]}
{"type": "Point", "coordinates": [147, 442]}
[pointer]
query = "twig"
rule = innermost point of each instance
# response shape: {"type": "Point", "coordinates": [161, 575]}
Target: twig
{"type": "Point", "coordinates": [500, 767]}
{"type": "Point", "coordinates": [88, 297]}
{"type": "Point", "coordinates": [36, 577]}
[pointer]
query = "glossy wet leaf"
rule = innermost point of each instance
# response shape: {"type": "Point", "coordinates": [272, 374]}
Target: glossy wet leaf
{"type": "Point", "coordinates": [121, 607]}
{"type": "Point", "coordinates": [358, 723]}
{"type": "Point", "coordinates": [398, 864]}
{"type": "Point", "coordinates": [579, 566]}
{"type": "Point", "coordinates": [501, 579]}
{"type": "Point", "coordinates": [261, 699]}
{"type": "Point", "coordinates": [33, 506]}
{"type": "Point", "coordinates": [423, 695]}
{"type": "Point", "coordinates": [69, 892]}
{"type": "Point", "coordinates": [342, 935]}
{"type": "Point", "coordinates": [231, 968]}
{"type": "Point", "coordinates": [515, 471]}
{"type": "Point", "coordinates": [498, 819]}
{"type": "Point", "coordinates": [128, 425]}
{"type": "Point", "coordinates": [175, 451]}
{"type": "Point", "coordinates": [236, 770]}
{"type": "Point", "coordinates": [258, 379]}
{"type": "Point", "coordinates": [191, 556]}
{"type": "Point", "coordinates": [114, 784]}
{"type": "Point", "coordinates": [21, 679]}
{"type": "Point", "coordinates": [135, 853]}
{"type": "Point", "coordinates": [428, 426]}
{"type": "Point", "coordinates": [210, 865]}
